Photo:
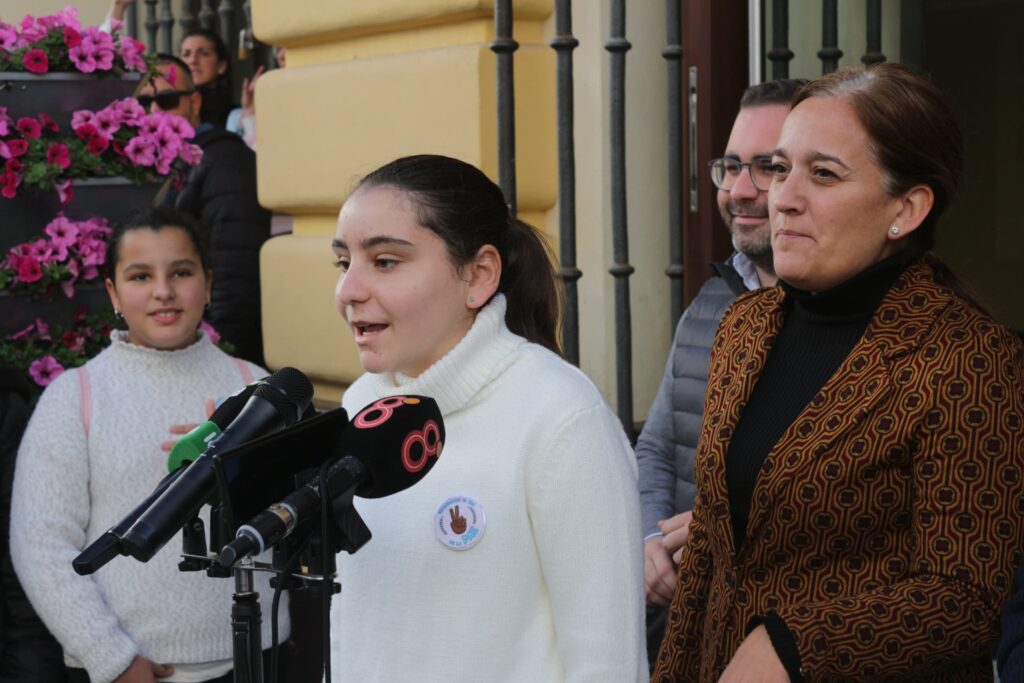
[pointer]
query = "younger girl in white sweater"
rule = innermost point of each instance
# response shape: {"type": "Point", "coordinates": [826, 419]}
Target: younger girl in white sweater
{"type": "Point", "coordinates": [92, 452]}
{"type": "Point", "coordinates": [516, 558]}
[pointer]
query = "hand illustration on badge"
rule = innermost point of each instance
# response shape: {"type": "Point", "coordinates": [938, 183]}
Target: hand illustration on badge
{"type": "Point", "coordinates": [458, 521]}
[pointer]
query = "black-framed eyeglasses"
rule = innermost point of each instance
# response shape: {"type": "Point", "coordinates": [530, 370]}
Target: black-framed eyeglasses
{"type": "Point", "coordinates": [725, 172]}
{"type": "Point", "coordinates": [166, 100]}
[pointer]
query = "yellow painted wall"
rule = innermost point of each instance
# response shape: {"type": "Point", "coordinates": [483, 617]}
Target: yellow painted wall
{"type": "Point", "coordinates": [329, 21]}
{"type": "Point", "coordinates": [370, 81]}
{"type": "Point", "coordinates": [360, 91]}
{"type": "Point", "coordinates": [90, 12]}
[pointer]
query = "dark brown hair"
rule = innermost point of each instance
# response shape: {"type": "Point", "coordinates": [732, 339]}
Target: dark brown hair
{"type": "Point", "coordinates": [779, 91]}
{"type": "Point", "coordinates": [155, 218]}
{"type": "Point", "coordinates": [463, 207]}
{"type": "Point", "coordinates": [915, 139]}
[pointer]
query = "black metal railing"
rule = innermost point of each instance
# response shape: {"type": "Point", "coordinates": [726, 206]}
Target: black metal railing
{"type": "Point", "coordinates": [617, 46]}
{"type": "Point", "coordinates": [564, 43]}
{"type": "Point", "coordinates": [231, 19]}
{"type": "Point", "coordinates": [829, 54]}
{"type": "Point", "coordinates": [503, 47]}
{"type": "Point", "coordinates": [780, 54]}
{"type": "Point", "coordinates": [873, 53]}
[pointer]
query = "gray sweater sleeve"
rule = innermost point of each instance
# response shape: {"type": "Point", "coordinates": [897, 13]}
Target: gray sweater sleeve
{"type": "Point", "coordinates": [655, 455]}
{"type": "Point", "coordinates": [49, 514]}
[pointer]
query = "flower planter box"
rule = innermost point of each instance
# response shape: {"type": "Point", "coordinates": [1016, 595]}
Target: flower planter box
{"type": "Point", "coordinates": [61, 94]}
{"type": "Point", "coordinates": [18, 310]}
{"type": "Point", "coordinates": [22, 218]}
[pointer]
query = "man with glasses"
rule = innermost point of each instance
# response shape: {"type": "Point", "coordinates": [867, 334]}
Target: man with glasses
{"type": "Point", "coordinates": [667, 446]}
{"type": "Point", "coordinates": [221, 192]}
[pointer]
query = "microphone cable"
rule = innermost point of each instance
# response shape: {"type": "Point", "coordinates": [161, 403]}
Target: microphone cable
{"type": "Point", "coordinates": [326, 587]}
{"type": "Point", "coordinates": [290, 566]}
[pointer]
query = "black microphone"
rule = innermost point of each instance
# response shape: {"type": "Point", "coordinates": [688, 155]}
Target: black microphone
{"type": "Point", "coordinates": [389, 446]}
{"type": "Point", "coordinates": [189, 447]}
{"type": "Point", "coordinates": [275, 404]}
{"type": "Point", "coordinates": [109, 545]}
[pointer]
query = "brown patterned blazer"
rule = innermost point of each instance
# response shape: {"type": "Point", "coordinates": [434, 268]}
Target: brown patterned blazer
{"type": "Point", "coordinates": [887, 521]}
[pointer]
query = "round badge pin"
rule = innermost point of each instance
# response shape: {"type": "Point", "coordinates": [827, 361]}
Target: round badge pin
{"type": "Point", "coordinates": [459, 523]}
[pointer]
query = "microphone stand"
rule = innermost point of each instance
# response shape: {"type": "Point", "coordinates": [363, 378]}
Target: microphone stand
{"type": "Point", "coordinates": [246, 623]}
{"type": "Point", "coordinates": [345, 530]}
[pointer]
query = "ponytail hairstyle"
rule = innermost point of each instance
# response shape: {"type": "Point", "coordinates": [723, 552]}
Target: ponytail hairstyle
{"type": "Point", "coordinates": [463, 207]}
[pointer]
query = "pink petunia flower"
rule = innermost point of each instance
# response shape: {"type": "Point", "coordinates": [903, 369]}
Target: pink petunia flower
{"type": "Point", "coordinates": [45, 370]}
{"type": "Point", "coordinates": [40, 250]}
{"type": "Point", "coordinates": [21, 334]}
{"type": "Point", "coordinates": [60, 252]}
{"type": "Point", "coordinates": [36, 61]}
{"type": "Point", "coordinates": [108, 122]}
{"type": "Point", "coordinates": [8, 37]}
{"type": "Point", "coordinates": [42, 329]}
{"type": "Point", "coordinates": [131, 53]}
{"type": "Point", "coordinates": [190, 154]}
{"type": "Point", "coordinates": [62, 231]}
{"type": "Point", "coordinates": [93, 228]}
{"type": "Point", "coordinates": [141, 151]}
{"type": "Point", "coordinates": [97, 145]}
{"type": "Point", "coordinates": [73, 341]}
{"type": "Point", "coordinates": [29, 269]}
{"type": "Point", "coordinates": [92, 251]}
{"type": "Point", "coordinates": [83, 56]}
{"type": "Point", "coordinates": [104, 59]}
{"type": "Point", "coordinates": [64, 191]}
{"type": "Point", "coordinates": [149, 124]}
{"type": "Point", "coordinates": [87, 131]}
{"type": "Point", "coordinates": [80, 118]}
{"type": "Point", "coordinates": [29, 127]}
{"type": "Point", "coordinates": [131, 110]}
{"type": "Point", "coordinates": [48, 123]}
{"type": "Point", "coordinates": [164, 161]}
{"type": "Point", "coordinates": [166, 140]}
{"type": "Point", "coordinates": [14, 148]}
{"type": "Point", "coordinates": [57, 155]}
{"type": "Point", "coordinates": [9, 184]}
{"type": "Point", "coordinates": [178, 124]}
{"type": "Point", "coordinates": [72, 38]}
{"type": "Point", "coordinates": [69, 17]}
{"type": "Point", "coordinates": [5, 122]}
{"type": "Point", "coordinates": [14, 166]}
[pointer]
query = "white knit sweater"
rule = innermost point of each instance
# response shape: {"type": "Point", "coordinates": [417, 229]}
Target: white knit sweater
{"type": "Point", "coordinates": [70, 487]}
{"type": "Point", "coordinates": [553, 590]}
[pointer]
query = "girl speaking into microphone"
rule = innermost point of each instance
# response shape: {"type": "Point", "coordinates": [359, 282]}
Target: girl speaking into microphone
{"type": "Point", "coordinates": [515, 559]}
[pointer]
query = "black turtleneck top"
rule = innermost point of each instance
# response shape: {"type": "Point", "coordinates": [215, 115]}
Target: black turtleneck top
{"type": "Point", "coordinates": [818, 333]}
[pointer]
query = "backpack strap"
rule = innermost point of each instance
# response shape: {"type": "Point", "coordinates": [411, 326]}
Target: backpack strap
{"type": "Point", "coordinates": [244, 368]}
{"type": "Point", "coordinates": [85, 403]}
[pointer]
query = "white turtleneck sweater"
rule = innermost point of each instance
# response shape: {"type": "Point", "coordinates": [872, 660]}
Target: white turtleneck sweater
{"type": "Point", "coordinates": [553, 589]}
{"type": "Point", "coordinates": [70, 487]}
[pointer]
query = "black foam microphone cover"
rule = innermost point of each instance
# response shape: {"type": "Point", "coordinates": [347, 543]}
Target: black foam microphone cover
{"type": "Point", "coordinates": [398, 438]}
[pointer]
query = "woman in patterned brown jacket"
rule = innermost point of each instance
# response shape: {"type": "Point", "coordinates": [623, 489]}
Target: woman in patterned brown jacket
{"type": "Point", "coordinates": [859, 510]}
